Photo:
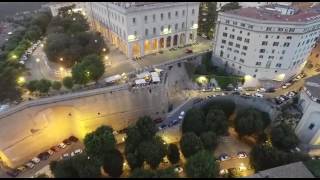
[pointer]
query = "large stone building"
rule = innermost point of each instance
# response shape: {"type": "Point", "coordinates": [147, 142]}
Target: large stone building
{"type": "Point", "coordinates": [55, 6]}
{"type": "Point", "coordinates": [308, 129]}
{"type": "Point", "coordinates": [141, 28]}
{"type": "Point", "coordinates": [268, 44]}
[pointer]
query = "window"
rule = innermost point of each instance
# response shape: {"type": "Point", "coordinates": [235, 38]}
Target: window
{"type": "Point", "coordinates": [243, 53]}
{"type": "Point", "coordinates": [281, 57]}
{"type": "Point", "coordinates": [267, 36]}
{"type": "Point", "coordinates": [176, 27]}
{"type": "Point", "coordinates": [182, 12]}
{"type": "Point", "coordinates": [289, 37]}
{"type": "Point", "coordinates": [283, 51]}
{"type": "Point", "coordinates": [182, 26]}
{"type": "Point", "coordinates": [262, 50]}
{"type": "Point", "coordinates": [223, 41]}
{"type": "Point", "coordinates": [161, 28]}
{"type": "Point", "coordinates": [278, 37]}
{"type": "Point", "coordinates": [232, 30]}
{"type": "Point", "coordinates": [268, 29]}
{"type": "Point", "coordinates": [258, 63]}
{"type": "Point", "coordinates": [246, 40]}
{"type": "Point", "coordinates": [177, 14]}
{"type": "Point", "coordinates": [291, 30]}
{"type": "Point", "coordinates": [221, 47]}
{"type": "Point", "coordinates": [250, 26]}
{"type": "Point", "coordinates": [286, 44]}
{"type": "Point", "coordinates": [256, 70]}
{"type": "Point", "coordinates": [122, 20]}
{"type": "Point", "coordinates": [169, 15]}
{"type": "Point", "coordinates": [254, 75]}
{"type": "Point", "coordinates": [154, 18]}
{"type": "Point", "coordinates": [241, 60]}
{"type": "Point", "coordinates": [146, 32]}
{"type": "Point", "coordinates": [242, 25]}
{"type": "Point", "coordinates": [224, 34]}
{"type": "Point", "coordinates": [275, 43]}
{"type": "Point", "coordinates": [264, 43]}
{"type": "Point", "coordinates": [271, 57]}
{"type": "Point", "coordinates": [221, 53]}
{"type": "Point", "coordinates": [133, 20]}
{"type": "Point", "coordinates": [225, 28]}
{"type": "Point", "coordinates": [230, 43]}
{"type": "Point", "coordinates": [235, 23]}
{"type": "Point", "coordinates": [239, 38]}
{"type": "Point", "coordinates": [239, 67]}
{"type": "Point", "coordinates": [231, 36]}
{"type": "Point", "coordinates": [238, 45]}
{"type": "Point", "coordinates": [145, 19]}
{"type": "Point", "coordinates": [278, 65]}
{"type": "Point", "coordinates": [227, 21]}
{"type": "Point", "coordinates": [273, 50]}
{"type": "Point", "coordinates": [248, 34]}
{"type": "Point", "coordinates": [192, 11]}
{"type": "Point", "coordinates": [280, 29]}
{"type": "Point", "coordinates": [245, 47]}
{"type": "Point", "coordinates": [161, 15]}
{"type": "Point", "coordinates": [240, 32]}
{"type": "Point", "coordinates": [154, 30]}
{"type": "Point", "coordinates": [234, 58]}
{"type": "Point", "coordinates": [311, 126]}
{"type": "Point", "coordinates": [261, 56]}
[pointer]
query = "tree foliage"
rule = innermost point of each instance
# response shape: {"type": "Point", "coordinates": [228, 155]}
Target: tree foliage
{"type": "Point", "coordinates": [194, 121]}
{"type": "Point", "coordinates": [202, 165]}
{"type": "Point", "coordinates": [173, 153]}
{"type": "Point", "coordinates": [249, 122]}
{"type": "Point", "coordinates": [67, 82]}
{"type": "Point", "coordinates": [43, 86]}
{"type": "Point", "coordinates": [113, 163]}
{"type": "Point", "coordinates": [209, 140]}
{"type": "Point", "coordinates": [56, 85]}
{"type": "Point", "coordinates": [190, 144]}
{"type": "Point", "coordinates": [230, 6]}
{"type": "Point", "coordinates": [161, 173]}
{"type": "Point", "coordinates": [217, 122]}
{"type": "Point", "coordinates": [283, 137]}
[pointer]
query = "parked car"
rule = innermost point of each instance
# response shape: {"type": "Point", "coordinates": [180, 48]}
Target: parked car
{"type": "Point", "coordinates": [73, 139]}
{"type": "Point", "coordinates": [21, 168]}
{"type": "Point", "coordinates": [223, 172]}
{"type": "Point", "coordinates": [50, 152]}
{"type": "Point", "coordinates": [115, 133]}
{"type": "Point", "coordinates": [62, 145]}
{"type": "Point", "coordinates": [65, 156]}
{"type": "Point", "coordinates": [30, 165]}
{"type": "Point", "coordinates": [178, 169]}
{"type": "Point", "coordinates": [55, 148]}
{"type": "Point", "coordinates": [270, 90]}
{"type": "Point", "coordinates": [67, 142]}
{"type": "Point", "coordinates": [43, 156]}
{"type": "Point", "coordinates": [158, 120]}
{"type": "Point", "coordinates": [35, 160]}
{"type": "Point", "coordinates": [182, 113]}
{"type": "Point", "coordinates": [78, 151]}
{"type": "Point", "coordinates": [180, 117]}
{"type": "Point", "coordinates": [13, 173]}
{"type": "Point", "coordinates": [224, 157]}
{"type": "Point", "coordinates": [261, 90]}
{"type": "Point", "coordinates": [242, 155]}
{"type": "Point", "coordinates": [259, 95]}
{"type": "Point", "coordinates": [189, 51]}
{"type": "Point", "coordinates": [163, 126]}
{"type": "Point", "coordinates": [174, 122]}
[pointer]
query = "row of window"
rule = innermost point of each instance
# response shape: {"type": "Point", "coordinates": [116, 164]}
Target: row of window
{"type": "Point", "coordinates": [241, 24]}
{"type": "Point", "coordinates": [154, 31]}
{"type": "Point", "coordinates": [162, 16]}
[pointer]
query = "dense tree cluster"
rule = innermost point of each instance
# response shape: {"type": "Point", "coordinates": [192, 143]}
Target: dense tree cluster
{"type": "Point", "coordinates": [249, 122]}
{"type": "Point", "coordinates": [207, 17]}
{"type": "Point", "coordinates": [161, 173]}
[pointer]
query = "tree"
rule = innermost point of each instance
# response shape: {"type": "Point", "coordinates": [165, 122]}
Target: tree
{"type": "Point", "coordinates": [113, 163]}
{"type": "Point", "coordinates": [147, 127]}
{"type": "Point", "coordinates": [249, 122]}
{"type": "Point", "coordinates": [134, 138]}
{"type": "Point", "coordinates": [161, 173]}
{"type": "Point", "coordinates": [43, 86]}
{"type": "Point", "coordinates": [100, 142]}
{"type": "Point", "coordinates": [217, 122]}
{"type": "Point", "coordinates": [283, 137]}
{"type": "Point", "coordinates": [227, 106]}
{"type": "Point", "coordinates": [190, 144]}
{"type": "Point", "coordinates": [260, 154]}
{"type": "Point", "coordinates": [165, 173]}
{"type": "Point", "coordinates": [32, 85]}
{"type": "Point", "coordinates": [209, 140]}
{"type": "Point", "coordinates": [68, 82]}
{"type": "Point", "coordinates": [230, 6]}
{"type": "Point", "coordinates": [134, 160]}
{"type": "Point", "coordinates": [91, 68]}
{"type": "Point", "coordinates": [173, 154]}
{"type": "Point", "coordinates": [63, 169]}
{"type": "Point", "coordinates": [153, 151]}
{"type": "Point", "coordinates": [193, 121]}
{"type": "Point", "coordinates": [56, 85]}
{"type": "Point", "coordinates": [207, 18]}
{"type": "Point", "coordinates": [202, 165]}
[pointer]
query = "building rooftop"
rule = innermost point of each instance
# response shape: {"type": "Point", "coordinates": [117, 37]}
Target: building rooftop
{"type": "Point", "coordinates": [276, 12]}
{"type": "Point", "coordinates": [313, 85]}
{"type": "Point", "coordinates": [293, 170]}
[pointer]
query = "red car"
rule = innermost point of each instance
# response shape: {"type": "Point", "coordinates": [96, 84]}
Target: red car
{"type": "Point", "coordinates": [189, 51]}
{"type": "Point", "coordinates": [158, 120]}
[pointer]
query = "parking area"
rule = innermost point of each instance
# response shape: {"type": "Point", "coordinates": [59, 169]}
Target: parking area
{"type": "Point", "coordinates": [29, 169]}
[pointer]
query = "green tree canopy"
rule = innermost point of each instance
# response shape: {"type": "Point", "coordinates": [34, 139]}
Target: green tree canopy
{"type": "Point", "coordinates": [283, 137]}
{"type": "Point", "coordinates": [56, 85]}
{"type": "Point", "coordinates": [190, 144]}
{"type": "Point", "coordinates": [217, 122]}
{"type": "Point", "coordinates": [32, 85]}
{"type": "Point", "coordinates": [202, 165]}
{"type": "Point", "coordinates": [67, 82]}
{"type": "Point", "coordinates": [100, 142]}
{"type": "Point", "coordinates": [249, 122]}
{"type": "Point", "coordinates": [113, 163]}
{"type": "Point", "coordinates": [194, 121]}
{"type": "Point", "coordinates": [173, 153]}
{"type": "Point", "coordinates": [43, 86]}
{"type": "Point", "coordinates": [161, 173]}
{"type": "Point", "coordinates": [209, 140]}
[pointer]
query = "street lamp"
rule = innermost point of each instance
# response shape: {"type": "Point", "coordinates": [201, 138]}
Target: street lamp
{"type": "Point", "coordinates": [106, 57]}
{"type": "Point", "coordinates": [104, 49]}
{"type": "Point", "coordinates": [61, 59]}
{"type": "Point", "coordinates": [14, 56]}
{"type": "Point", "coordinates": [95, 41]}
{"type": "Point", "coordinates": [61, 68]}
{"type": "Point", "coordinates": [21, 80]}
{"type": "Point", "coordinates": [37, 60]}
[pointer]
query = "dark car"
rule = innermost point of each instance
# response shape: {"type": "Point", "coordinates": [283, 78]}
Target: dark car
{"type": "Point", "coordinates": [43, 156]}
{"type": "Point", "coordinates": [54, 148]}
{"type": "Point", "coordinates": [73, 139]}
{"type": "Point", "coordinates": [158, 120]}
{"type": "Point", "coordinates": [66, 141]}
{"type": "Point", "coordinates": [270, 90]}
{"type": "Point", "coordinates": [13, 173]}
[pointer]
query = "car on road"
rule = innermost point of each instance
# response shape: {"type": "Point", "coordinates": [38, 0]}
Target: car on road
{"type": "Point", "coordinates": [73, 139]}
{"type": "Point", "coordinates": [284, 87]}
{"type": "Point", "coordinates": [163, 126]}
{"type": "Point", "coordinates": [242, 155]}
{"type": "Point", "coordinates": [224, 157]}
{"type": "Point", "coordinates": [62, 145]}
{"type": "Point", "coordinates": [21, 168]}
{"type": "Point", "coordinates": [55, 148]}
{"type": "Point", "coordinates": [236, 93]}
{"type": "Point", "coordinates": [43, 156]}
{"type": "Point", "coordinates": [13, 173]}
{"type": "Point", "coordinates": [223, 172]}
{"type": "Point", "coordinates": [158, 120]}
{"type": "Point", "coordinates": [259, 95]}
{"type": "Point", "coordinates": [30, 165]}
{"type": "Point", "coordinates": [189, 51]}
{"type": "Point", "coordinates": [178, 169]}
{"type": "Point", "coordinates": [67, 142]}
{"type": "Point", "coordinates": [182, 113]}
{"type": "Point", "coordinates": [50, 152]}
{"type": "Point", "coordinates": [65, 156]}
{"type": "Point", "coordinates": [115, 133]}
{"type": "Point", "coordinates": [180, 117]}
{"type": "Point", "coordinates": [35, 160]}
{"type": "Point", "coordinates": [261, 90]}
{"type": "Point", "coordinates": [77, 151]}
{"type": "Point", "coordinates": [247, 94]}
{"type": "Point", "coordinates": [174, 122]}
{"type": "Point", "coordinates": [270, 90]}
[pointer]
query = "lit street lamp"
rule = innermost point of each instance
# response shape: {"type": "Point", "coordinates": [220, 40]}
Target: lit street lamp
{"type": "Point", "coordinates": [21, 80]}
{"type": "Point", "coordinates": [106, 57]}
{"type": "Point", "coordinates": [61, 59]}
{"type": "Point", "coordinates": [61, 69]}
{"type": "Point", "coordinates": [104, 49]}
{"type": "Point", "coordinates": [14, 56]}
{"type": "Point", "coordinates": [37, 60]}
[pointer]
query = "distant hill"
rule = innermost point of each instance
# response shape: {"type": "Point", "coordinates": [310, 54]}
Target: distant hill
{"type": "Point", "coordinates": [11, 8]}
